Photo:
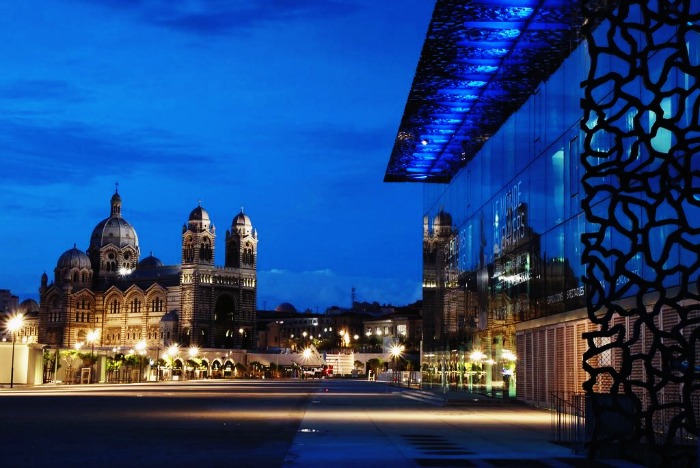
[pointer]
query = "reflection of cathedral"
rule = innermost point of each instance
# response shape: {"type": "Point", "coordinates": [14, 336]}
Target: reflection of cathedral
{"type": "Point", "coordinates": [127, 301]}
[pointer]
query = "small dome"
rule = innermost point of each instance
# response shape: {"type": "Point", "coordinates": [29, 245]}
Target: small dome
{"type": "Point", "coordinates": [74, 258]}
{"type": "Point", "coordinates": [29, 305]}
{"type": "Point", "coordinates": [199, 214]}
{"type": "Point", "coordinates": [241, 224]}
{"type": "Point", "coordinates": [199, 220]}
{"type": "Point", "coordinates": [149, 263]}
{"type": "Point", "coordinates": [285, 307]}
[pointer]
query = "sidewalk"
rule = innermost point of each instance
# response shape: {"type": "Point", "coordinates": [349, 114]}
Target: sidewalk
{"type": "Point", "coordinates": [398, 429]}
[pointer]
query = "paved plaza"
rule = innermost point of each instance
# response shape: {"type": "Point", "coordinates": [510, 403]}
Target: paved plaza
{"type": "Point", "coordinates": [260, 423]}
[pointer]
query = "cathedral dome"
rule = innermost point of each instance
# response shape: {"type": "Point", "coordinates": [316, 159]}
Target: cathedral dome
{"type": "Point", "coordinates": [150, 263]}
{"type": "Point", "coordinates": [442, 219]}
{"type": "Point", "coordinates": [241, 224]}
{"type": "Point", "coordinates": [114, 230]}
{"type": "Point", "coordinates": [74, 258]}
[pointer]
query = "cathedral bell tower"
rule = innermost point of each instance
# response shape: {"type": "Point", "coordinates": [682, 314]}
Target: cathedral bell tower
{"type": "Point", "coordinates": [198, 239]}
{"type": "Point", "coordinates": [242, 244]}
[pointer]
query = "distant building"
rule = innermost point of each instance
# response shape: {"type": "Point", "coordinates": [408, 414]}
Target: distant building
{"type": "Point", "coordinates": [286, 329]}
{"type": "Point", "coordinates": [29, 310]}
{"type": "Point", "coordinates": [405, 327]}
{"type": "Point", "coordinates": [8, 302]}
{"type": "Point", "coordinates": [108, 288]}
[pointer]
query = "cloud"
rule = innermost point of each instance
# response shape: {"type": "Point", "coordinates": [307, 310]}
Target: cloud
{"type": "Point", "coordinates": [207, 17]}
{"type": "Point", "coordinates": [40, 90]}
{"type": "Point", "coordinates": [36, 152]}
{"type": "Point", "coordinates": [319, 289]}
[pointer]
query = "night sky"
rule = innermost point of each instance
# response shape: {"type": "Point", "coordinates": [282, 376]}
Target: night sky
{"type": "Point", "coordinates": [287, 108]}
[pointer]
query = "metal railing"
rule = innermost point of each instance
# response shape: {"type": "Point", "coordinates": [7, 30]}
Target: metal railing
{"type": "Point", "coordinates": [568, 420]}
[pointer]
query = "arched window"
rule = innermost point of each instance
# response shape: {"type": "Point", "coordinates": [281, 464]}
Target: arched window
{"type": "Point", "coordinates": [157, 304]}
{"type": "Point", "coordinates": [135, 306]}
{"type": "Point", "coordinates": [205, 251]}
{"type": "Point", "coordinates": [188, 250]}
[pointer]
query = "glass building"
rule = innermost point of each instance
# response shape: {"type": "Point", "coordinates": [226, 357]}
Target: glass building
{"type": "Point", "coordinates": [558, 147]}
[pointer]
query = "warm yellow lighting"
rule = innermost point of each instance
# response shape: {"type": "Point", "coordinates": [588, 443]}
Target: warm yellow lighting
{"type": "Point", "coordinates": [92, 336]}
{"type": "Point", "coordinates": [306, 353]}
{"type": "Point", "coordinates": [193, 352]}
{"type": "Point", "coordinates": [396, 350]}
{"type": "Point", "coordinates": [508, 355]}
{"type": "Point", "coordinates": [15, 323]}
{"type": "Point", "coordinates": [477, 356]}
{"type": "Point", "coordinates": [173, 350]}
{"type": "Point", "coordinates": [140, 347]}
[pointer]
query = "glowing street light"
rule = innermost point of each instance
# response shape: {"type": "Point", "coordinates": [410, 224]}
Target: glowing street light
{"type": "Point", "coordinates": [306, 354]}
{"type": "Point", "coordinates": [14, 324]}
{"type": "Point", "coordinates": [395, 351]}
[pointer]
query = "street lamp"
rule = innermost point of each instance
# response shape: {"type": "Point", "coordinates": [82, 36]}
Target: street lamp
{"type": "Point", "coordinates": [91, 338]}
{"type": "Point", "coordinates": [14, 324]}
{"type": "Point", "coordinates": [396, 351]}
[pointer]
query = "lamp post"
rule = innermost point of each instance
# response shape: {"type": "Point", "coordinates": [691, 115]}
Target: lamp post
{"type": "Point", "coordinates": [91, 338]}
{"type": "Point", "coordinates": [14, 324]}
{"type": "Point", "coordinates": [396, 351]}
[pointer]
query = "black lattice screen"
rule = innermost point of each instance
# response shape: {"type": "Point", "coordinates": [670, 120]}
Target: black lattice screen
{"type": "Point", "coordinates": [642, 196]}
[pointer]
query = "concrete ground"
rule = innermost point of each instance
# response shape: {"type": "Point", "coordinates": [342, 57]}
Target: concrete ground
{"type": "Point", "coordinates": [347, 427]}
{"type": "Point", "coordinates": [310, 423]}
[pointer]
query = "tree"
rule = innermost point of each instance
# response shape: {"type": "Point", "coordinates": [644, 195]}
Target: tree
{"type": "Point", "coordinates": [375, 364]}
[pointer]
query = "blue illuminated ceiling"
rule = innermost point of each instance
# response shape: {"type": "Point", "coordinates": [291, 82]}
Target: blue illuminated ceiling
{"type": "Point", "coordinates": [480, 61]}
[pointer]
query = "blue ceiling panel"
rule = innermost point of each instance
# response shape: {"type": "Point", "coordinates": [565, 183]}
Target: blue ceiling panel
{"type": "Point", "coordinates": [480, 61]}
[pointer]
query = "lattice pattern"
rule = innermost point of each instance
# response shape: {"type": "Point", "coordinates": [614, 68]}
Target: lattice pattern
{"type": "Point", "coordinates": [642, 183]}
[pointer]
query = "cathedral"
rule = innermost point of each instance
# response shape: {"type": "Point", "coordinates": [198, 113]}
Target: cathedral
{"type": "Point", "coordinates": [128, 300]}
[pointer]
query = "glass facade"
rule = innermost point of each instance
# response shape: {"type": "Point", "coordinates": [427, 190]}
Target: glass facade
{"type": "Point", "coordinates": [503, 240]}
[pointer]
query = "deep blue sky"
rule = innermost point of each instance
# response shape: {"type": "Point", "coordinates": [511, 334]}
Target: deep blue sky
{"type": "Point", "coordinates": [288, 108]}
